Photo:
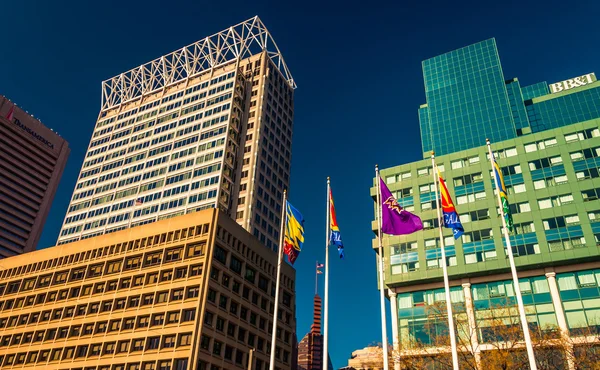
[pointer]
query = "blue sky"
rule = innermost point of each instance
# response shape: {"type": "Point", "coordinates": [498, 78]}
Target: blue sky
{"type": "Point", "coordinates": [358, 70]}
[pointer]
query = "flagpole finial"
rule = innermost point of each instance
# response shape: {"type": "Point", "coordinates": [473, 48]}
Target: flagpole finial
{"type": "Point", "coordinates": [376, 167]}
{"type": "Point", "coordinates": [487, 141]}
{"type": "Point", "coordinates": [327, 178]}
{"type": "Point", "coordinates": [432, 154]}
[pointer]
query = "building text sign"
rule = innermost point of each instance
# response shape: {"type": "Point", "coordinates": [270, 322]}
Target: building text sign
{"type": "Point", "coordinates": [572, 82]}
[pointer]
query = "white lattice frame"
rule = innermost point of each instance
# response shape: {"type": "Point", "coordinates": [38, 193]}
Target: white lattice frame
{"type": "Point", "coordinates": [240, 41]}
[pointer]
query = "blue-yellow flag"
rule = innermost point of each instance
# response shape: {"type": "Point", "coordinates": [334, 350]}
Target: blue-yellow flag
{"type": "Point", "coordinates": [294, 232]}
{"type": "Point", "coordinates": [503, 197]}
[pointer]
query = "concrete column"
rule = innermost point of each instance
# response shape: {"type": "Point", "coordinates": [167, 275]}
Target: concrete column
{"type": "Point", "coordinates": [396, 347]}
{"type": "Point", "coordinates": [472, 324]}
{"type": "Point", "coordinates": [560, 316]}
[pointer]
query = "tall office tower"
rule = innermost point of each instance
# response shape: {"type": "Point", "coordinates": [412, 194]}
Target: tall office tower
{"type": "Point", "coordinates": [32, 160]}
{"type": "Point", "coordinates": [194, 292]}
{"type": "Point", "coordinates": [209, 125]}
{"type": "Point", "coordinates": [469, 100]}
{"type": "Point", "coordinates": [466, 100]}
{"type": "Point", "coordinates": [551, 170]}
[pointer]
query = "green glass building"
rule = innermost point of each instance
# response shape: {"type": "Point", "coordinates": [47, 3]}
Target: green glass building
{"type": "Point", "coordinates": [469, 100]}
{"type": "Point", "coordinates": [546, 139]}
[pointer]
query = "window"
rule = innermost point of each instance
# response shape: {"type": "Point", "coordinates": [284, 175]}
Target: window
{"type": "Point", "coordinates": [217, 348]}
{"type": "Point", "coordinates": [594, 216]}
{"type": "Point", "coordinates": [185, 340]}
{"type": "Point", "coordinates": [152, 343]}
{"type": "Point", "coordinates": [540, 145]}
{"type": "Point", "coordinates": [174, 254]}
{"type": "Point", "coordinates": [582, 135]}
{"type": "Point", "coordinates": [208, 318]}
{"type": "Point", "coordinates": [468, 179]}
{"type": "Point", "coordinates": [424, 171]}
{"type": "Point", "coordinates": [188, 315]}
{"type": "Point", "coordinates": [220, 254]}
{"type": "Point", "coordinates": [566, 244]}
{"type": "Point", "coordinates": [220, 326]}
{"type": "Point", "coordinates": [561, 221]}
{"type": "Point", "coordinates": [427, 188]}
{"type": "Point", "coordinates": [555, 201]}
{"type": "Point", "coordinates": [250, 274]}
{"type": "Point", "coordinates": [204, 342]}
{"type": "Point", "coordinates": [169, 341]}
{"type": "Point", "coordinates": [109, 348]}
{"type": "Point", "coordinates": [143, 322]}
{"type": "Point", "coordinates": [481, 214]}
{"type": "Point", "coordinates": [477, 235]}
{"type": "Point", "coordinates": [524, 228]}
{"type": "Point", "coordinates": [470, 198]}
{"type": "Point", "coordinates": [545, 163]}
{"type": "Point", "coordinates": [480, 256]}
{"type": "Point", "coordinates": [196, 249]}
{"type": "Point", "coordinates": [195, 270]}
{"type": "Point", "coordinates": [524, 250]}
{"type": "Point", "coordinates": [235, 265]}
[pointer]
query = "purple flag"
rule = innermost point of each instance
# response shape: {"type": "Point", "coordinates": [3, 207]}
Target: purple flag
{"type": "Point", "coordinates": [394, 219]}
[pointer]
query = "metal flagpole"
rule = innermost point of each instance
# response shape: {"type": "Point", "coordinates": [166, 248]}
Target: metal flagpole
{"type": "Point", "coordinates": [381, 283]}
{"type": "Point", "coordinates": [326, 316]}
{"type": "Point", "coordinates": [279, 261]}
{"type": "Point", "coordinates": [444, 267]}
{"type": "Point", "coordinates": [513, 269]}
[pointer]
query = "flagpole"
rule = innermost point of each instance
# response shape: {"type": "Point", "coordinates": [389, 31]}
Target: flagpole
{"type": "Point", "coordinates": [444, 267]}
{"type": "Point", "coordinates": [279, 261]}
{"type": "Point", "coordinates": [381, 281]}
{"type": "Point", "coordinates": [513, 269]}
{"type": "Point", "coordinates": [326, 316]}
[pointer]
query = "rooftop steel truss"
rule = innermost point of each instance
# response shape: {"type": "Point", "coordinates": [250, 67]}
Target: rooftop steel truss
{"type": "Point", "coordinates": [240, 41]}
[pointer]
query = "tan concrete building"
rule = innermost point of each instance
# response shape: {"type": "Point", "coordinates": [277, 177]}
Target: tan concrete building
{"type": "Point", "coordinates": [191, 292]}
{"type": "Point", "coordinates": [206, 126]}
{"type": "Point", "coordinates": [368, 358]}
{"type": "Point", "coordinates": [32, 160]}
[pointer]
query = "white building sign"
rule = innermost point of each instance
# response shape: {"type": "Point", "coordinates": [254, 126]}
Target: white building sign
{"type": "Point", "coordinates": [572, 82]}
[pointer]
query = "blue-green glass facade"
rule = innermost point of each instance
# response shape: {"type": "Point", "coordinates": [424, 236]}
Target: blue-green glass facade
{"type": "Point", "coordinates": [557, 110]}
{"type": "Point", "coordinates": [517, 107]}
{"type": "Point", "coordinates": [535, 90]}
{"type": "Point", "coordinates": [469, 100]}
{"type": "Point", "coordinates": [466, 99]}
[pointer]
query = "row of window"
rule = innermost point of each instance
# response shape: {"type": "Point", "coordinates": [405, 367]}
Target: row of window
{"type": "Point", "coordinates": [109, 349]}
{"type": "Point", "coordinates": [511, 152]}
{"type": "Point", "coordinates": [125, 303]}
{"type": "Point", "coordinates": [125, 247]}
{"type": "Point", "coordinates": [140, 261]}
{"type": "Point", "coordinates": [156, 320]}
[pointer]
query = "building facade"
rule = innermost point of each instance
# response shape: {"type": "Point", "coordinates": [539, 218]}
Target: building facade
{"type": "Point", "coordinates": [368, 358]}
{"type": "Point", "coordinates": [469, 100]}
{"type": "Point", "coordinates": [209, 125]}
{"type": "Point", "coordinates": [32, 160]}
{"type": "Point", "coordinates": [553, 181]}
{"type": "Point", "coordinates": [191, 292]}
{"type": "Point", "coordinates": [310, 348]}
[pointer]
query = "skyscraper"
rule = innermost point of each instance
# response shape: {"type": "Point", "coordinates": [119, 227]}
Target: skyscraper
{"type": "Point", "coordinates": [466, 99]}
{"type": "Point", "coordinates": [208, 125]}
{"type": "Point", "coordinates": [551, 169]}
{"type": "Point", "coordinates": [469, 100]}
{"type": "Point", "coordinates": [32, 160]}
